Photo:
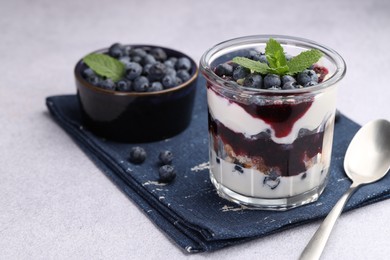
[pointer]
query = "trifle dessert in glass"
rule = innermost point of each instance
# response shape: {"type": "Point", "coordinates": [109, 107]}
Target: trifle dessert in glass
{"type": "Point", "coordinates": [271, 107]}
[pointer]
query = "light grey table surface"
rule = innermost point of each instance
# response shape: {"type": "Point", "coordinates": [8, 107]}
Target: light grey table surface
{"type": "Point", "coordinates": [56, 204]}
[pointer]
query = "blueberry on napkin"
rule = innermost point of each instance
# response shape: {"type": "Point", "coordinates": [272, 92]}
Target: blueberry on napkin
{"type": "Point", "coordinates": [189, 209]}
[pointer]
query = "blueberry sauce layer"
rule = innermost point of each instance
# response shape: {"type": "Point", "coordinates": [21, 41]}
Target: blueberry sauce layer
{"type": "Point", "coordinates": [281, 117]}
{"type": "Point", "coordinates": [264, 153]}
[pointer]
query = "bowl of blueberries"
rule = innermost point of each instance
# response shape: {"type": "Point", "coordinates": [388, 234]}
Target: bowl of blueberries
{"type": "Point", "coordinates": [136, 93]}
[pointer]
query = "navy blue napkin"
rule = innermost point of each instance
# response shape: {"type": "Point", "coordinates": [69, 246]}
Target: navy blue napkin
{"type": "Point", "coordinates": [189, 209]}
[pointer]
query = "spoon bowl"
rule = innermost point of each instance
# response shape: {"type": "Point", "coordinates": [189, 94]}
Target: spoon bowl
{"type": "Point", "coordinates": [368, 156]}
{"type": "Point", "coordinates": [367, 160]}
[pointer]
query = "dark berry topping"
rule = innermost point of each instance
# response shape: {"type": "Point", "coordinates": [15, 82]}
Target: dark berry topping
{"type": "Point", "coordinates": [138, 52]}
{"type": "Point", "coordinates": [238, 168]}
{"type": "Point", "coordinates": [87, 73]}
{"type": "Point", "coordinates": [107, 84]}
{"type": "Point", "coordinates": [169, 82]}
{"type": "Point", "coordinates": [141, 84]}
{"type": "Point", "coordinates": [165, 157]}
{"type": "Point", "coordinates": [287, 78]}
{"type": "Point", "coordinates": [290, 85]}
{"type": "Point", "coordinates": [116, 50]}
{"type": "Point", "coordinates": [183, 63]}
{"type": "Point", "coordinates": [148, 59]}
{"type": "Point", "coordinates": [183, 75]}
{"type": "Point", "coordinates": [123, 86]}
{"type": "Point", "coordinates": [137, 155]}
{"type": "Point", "coordinates": [159, 54]}
{"type": "Point", "coordinates": [272, 80]}
{"type": "Point", "coordinates": [134, 70]}
{"type": "Point", "coordinates": [155, 86]}
{"type": "Point", "coordinates": [224, 69]}
{"type": "Point", "coordinates": [240, 73]}
{"type": "Point", "coordinates": [147, 69]}
{"type": "Point", "coordinates": [167, 173]}
{"type": "Point", "coordinates": [306, 76]}
{"type": "Point", "coordinates": [253, 81]}
{"type": "Point", "coordinates": [157, 71]}
{"type": "Point", "coordinates": [310, 84]}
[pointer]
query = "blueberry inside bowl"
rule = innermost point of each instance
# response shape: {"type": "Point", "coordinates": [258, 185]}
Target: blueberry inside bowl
{"type": "Point", "coordinates": [151, 100]}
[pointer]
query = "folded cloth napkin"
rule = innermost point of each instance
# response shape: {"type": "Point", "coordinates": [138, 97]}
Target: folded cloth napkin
{"type": "Point", "coordinates": [189, 210]}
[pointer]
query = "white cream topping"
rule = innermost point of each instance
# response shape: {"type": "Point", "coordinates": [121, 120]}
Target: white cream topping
{"type": "Point", "coordinates": [238, 120]}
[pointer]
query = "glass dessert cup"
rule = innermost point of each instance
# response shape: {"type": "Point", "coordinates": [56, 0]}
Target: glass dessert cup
{"type": "Point", "coordinates": [270, 149]}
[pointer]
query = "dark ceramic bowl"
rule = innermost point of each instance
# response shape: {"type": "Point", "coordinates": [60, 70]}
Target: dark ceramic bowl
{"type": "Point", "coordinates": [136, 117]}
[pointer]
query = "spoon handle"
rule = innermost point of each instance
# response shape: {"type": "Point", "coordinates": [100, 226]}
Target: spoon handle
{"type": "Point", "coordinates": [314, 248]}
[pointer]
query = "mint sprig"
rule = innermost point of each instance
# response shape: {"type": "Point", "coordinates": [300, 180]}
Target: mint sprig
{"type": "Point", "coordinates": [278, 63]}
{"type": "Point", "coordinates": [105, 66]}
{"type": "Point", "coordinates": [303, 61]}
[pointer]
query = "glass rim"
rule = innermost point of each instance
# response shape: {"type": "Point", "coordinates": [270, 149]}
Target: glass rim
{"type": "Point", "coordinates": [331, 54]}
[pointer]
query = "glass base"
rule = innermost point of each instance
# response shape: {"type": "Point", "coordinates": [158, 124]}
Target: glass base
{"type": "Point", "coordinates": [277, 204]}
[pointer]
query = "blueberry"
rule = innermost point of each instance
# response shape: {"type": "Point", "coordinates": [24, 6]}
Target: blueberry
{"type": "Point", "coordinates": [275, 88]}
{"type": "Point", "coordinates": [167, 173]}
{"type": "Point", "coordinates": [224, 69]}
{"type": "Point", "coordinates": [183, 63]}
{"type": "Point", "coordinates": [169, 64]}
{"type": "Point", "coordinates": [170, 72]}
{"type": "Point", "coordinates": [116, 50]}
{"type": "Point", "coordinates": [138, 52]}
{"type": "Point", "coordinates": [87, 73]}
{"type": "Point", "coordinates": [146, 69]}
{"type": "Point", "coordinates": [289, 85]}
{"type": "Point", "coordinates": [125, 59]}
{"type": "Point", "coordinates": [107, 84]}
{"type": "Point", "coordinates": [253, 81]}
{"type": "Point", "coordinates": [272, 180]}
{"type": "Point", "coordinates": [287, 78]}
{"type": "Point", "coordinates": [137, 155]}
{"type": "Point", "coordinates": [240, 73]}
{"type": "Point", "coordinates": [148, 59]}
{"type": "Point", "coordinates": [238, 168]}
{"type": "Point", "coordinates": [94, 80]}
{"type": "Point", "coordinates": [133, 70]}
{"type": "Point", "coordinates": [137, 59]}
{"type": "Point", "coordinates": [183, 75]}
{"type": "Point", "coordinates": [263, 59]}
{"type": "Point", "coordinates": [272, 80]}
{"type": "Point", "coordinates": [257, 100]}
{"type": "Point", "coordinates": [179, 81]}
{"type": "Point", "coordinates": [127, 50]}
{"type": "Point", "coordinates": [123, 86]}
{"type": "Point", "coordinates": [254, 55]}
{"type": "Point", "coordinates": [155, 86]}
{"type": "Point", "coordinates": [159, 54]}
{"type": "Point", "coordinates": [157, 71]}
{"type": "Point", "coordinates": [140, 84]}
{"type": "Point", "coordinates": [173, 60]}
{"type": "Point", "coordinates": [310, 84]}
{"type": "Point", "coordinates": [166, 157]}
{"type": "Point", "coordinates": [169, 81]}
{"type": "Point", "coordinates": [306, 76]}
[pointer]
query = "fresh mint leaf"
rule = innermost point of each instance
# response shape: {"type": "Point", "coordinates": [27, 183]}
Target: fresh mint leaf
{"type": "Point", "coordinates": [278, 63]}
{"type": "Point", "coordinates": [303, 60]}
{"type": "Point", "coordinates": [255, 66]}
{"type": "Point", "coordinates": [275, 54]}
{"type": "Point", "coordinates": [105, 66]}
{"type": "Point", "coordinates": [279, 70]}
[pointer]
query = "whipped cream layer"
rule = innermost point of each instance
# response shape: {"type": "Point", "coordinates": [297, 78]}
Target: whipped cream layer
{"type": "Point", "coordinates": [234, 116]}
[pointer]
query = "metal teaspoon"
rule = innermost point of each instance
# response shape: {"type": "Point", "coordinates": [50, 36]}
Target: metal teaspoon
{"type": "Point", "coordinates": [367, 160]}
